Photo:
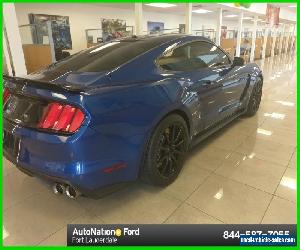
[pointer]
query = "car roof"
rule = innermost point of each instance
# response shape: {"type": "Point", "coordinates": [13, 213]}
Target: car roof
{"type": "Point", "coordinates": [153, 37]}
{"type": "Point", "coordinates": [161, 38]}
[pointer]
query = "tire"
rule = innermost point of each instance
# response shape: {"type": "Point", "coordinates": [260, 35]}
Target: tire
{"type": "Point", "coordinates": [166, 151]}
{"type": "Point", "coordinates": [255, 98]}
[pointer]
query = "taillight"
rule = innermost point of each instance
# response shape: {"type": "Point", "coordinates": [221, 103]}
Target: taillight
{"type": "Point", "coordinates": [61, 117]}
{"type": "Point", "coordinates": [6, 94]}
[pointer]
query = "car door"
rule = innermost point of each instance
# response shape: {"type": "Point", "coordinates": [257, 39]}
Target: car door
{"type": "Point", "coordinates": [219, 84]}
{"type": "Point", "coordinates": [184, 64]}
{"type": "Point", "coordinates": [205, 69]}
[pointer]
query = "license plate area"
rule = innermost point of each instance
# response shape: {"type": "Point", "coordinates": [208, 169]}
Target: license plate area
{"type": "Point", "coordinates": [11, 143]}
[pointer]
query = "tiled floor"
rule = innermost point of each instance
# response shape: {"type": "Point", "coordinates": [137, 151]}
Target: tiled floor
{"type": "Point", "coordinates": [246, 173]}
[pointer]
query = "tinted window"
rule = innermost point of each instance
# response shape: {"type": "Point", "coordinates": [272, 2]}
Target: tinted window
{"type": "Point", "coordinates": [107, 56]}
{"type": "Point", "coordinates": [193, 56]}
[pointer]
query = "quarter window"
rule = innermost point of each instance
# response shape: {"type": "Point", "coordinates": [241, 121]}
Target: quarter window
{"type": "Point", "coordinates": [193, 56]}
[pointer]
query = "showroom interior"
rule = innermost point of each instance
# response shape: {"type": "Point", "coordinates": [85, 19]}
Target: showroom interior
{"type": "Point", "coordinates": [244, 174]}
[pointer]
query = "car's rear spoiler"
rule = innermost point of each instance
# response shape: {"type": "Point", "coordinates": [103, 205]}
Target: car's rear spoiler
{"type": "Point", "coordinates": [42, 85]}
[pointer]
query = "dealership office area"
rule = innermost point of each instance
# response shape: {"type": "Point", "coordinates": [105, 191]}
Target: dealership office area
{"type": "Point", "coordinates": [243, 174]}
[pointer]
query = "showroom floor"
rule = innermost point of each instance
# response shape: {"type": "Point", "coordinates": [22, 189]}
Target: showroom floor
{"type": "Point", "coordinates": [244, 174]}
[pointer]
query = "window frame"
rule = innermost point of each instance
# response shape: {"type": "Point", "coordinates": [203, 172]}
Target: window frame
{"type": "Point", "coordinates": [189, 42]}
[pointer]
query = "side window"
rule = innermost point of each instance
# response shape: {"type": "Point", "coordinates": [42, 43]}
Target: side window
{"type": "Point", "coordinates": [177, 59]}
{"type": "Point", "coordinates": [193, 56]}
{"type": "Point", "coordinates": [210, 54]}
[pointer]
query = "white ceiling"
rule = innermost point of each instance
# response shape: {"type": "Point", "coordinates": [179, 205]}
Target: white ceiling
{"type": "Point", "coordinates": [179, 9]}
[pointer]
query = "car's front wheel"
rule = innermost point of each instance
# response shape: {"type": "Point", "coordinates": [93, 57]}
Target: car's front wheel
{"type": "Point", "coordinates": [166, 151]}
{"type": "Point", "coordinates": [255, 98]}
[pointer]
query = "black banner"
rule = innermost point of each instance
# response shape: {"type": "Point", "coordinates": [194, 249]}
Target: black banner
{"type": "Point", "coordinates": [181, 235]}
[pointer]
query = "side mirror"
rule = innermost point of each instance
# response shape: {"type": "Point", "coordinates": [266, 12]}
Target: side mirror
{"type": "Point", "coordinates": [238, 61]}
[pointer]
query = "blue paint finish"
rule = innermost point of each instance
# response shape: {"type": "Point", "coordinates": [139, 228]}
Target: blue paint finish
{"type": "Point", "coordinates": [122, 108]}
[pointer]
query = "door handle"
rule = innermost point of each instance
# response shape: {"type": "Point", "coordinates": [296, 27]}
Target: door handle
{"type": "Point", "coordinates": [207, 83]}
{"type": "Point", "coordinates": [203, 84]}
{"type": "Point", "coordinates": [223, 67]}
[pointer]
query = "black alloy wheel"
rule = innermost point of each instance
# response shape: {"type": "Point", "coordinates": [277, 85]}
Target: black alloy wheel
{"type": "Point", "coordinates": [255, 99]}
{"type": "Point", "coordinates": [166, 151]}
{"type": "Point", "coordinates": [170, 149]}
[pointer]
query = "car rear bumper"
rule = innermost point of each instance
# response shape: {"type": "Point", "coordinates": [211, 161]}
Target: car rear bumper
{"type": "Point", "coordinates": [80, 161]}
{"type": "Point", "coordinates": [82, 189]}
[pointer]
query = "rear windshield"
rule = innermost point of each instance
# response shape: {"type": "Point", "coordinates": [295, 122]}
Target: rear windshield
{"type": "Point", "coordinates": [107, 56]}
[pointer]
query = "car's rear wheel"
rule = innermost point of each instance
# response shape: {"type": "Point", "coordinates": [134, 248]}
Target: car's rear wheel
{"type": "Point", "coordinates": [255, 99]}
{"type": "Point", "coordinates": [166, 151]}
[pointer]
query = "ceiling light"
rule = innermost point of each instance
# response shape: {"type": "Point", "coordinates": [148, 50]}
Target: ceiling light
{"type": "Point", "coordinates": [161, 5]}
{"type": "Point", "coordinates": [201, 11]}
{"type": "Point", "coordinates": [292, 6]}
{"type": "Point", "coordinates": [233, 15]}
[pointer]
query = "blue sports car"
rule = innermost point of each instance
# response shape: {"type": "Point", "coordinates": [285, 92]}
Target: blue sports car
{"type": "Point", "coordinates": [123, 110]}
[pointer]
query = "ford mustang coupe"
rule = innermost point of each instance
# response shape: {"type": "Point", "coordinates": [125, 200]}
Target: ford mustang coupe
{"type": "Point", "coordinates": [123, 110]}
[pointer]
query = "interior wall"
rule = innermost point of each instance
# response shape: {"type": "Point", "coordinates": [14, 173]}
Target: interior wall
{"type": "Point", "coordinates": [260, 8]}
{"type": "Point", "coordinates": [88, 16]}
{"type": "Point", "coordinates": [81, 17]}
{"type": "Point", "coordinates": [233, 25]}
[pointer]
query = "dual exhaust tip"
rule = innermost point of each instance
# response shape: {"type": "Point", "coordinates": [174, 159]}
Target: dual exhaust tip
{"type": "Point", "coordinates": [70, 191]}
